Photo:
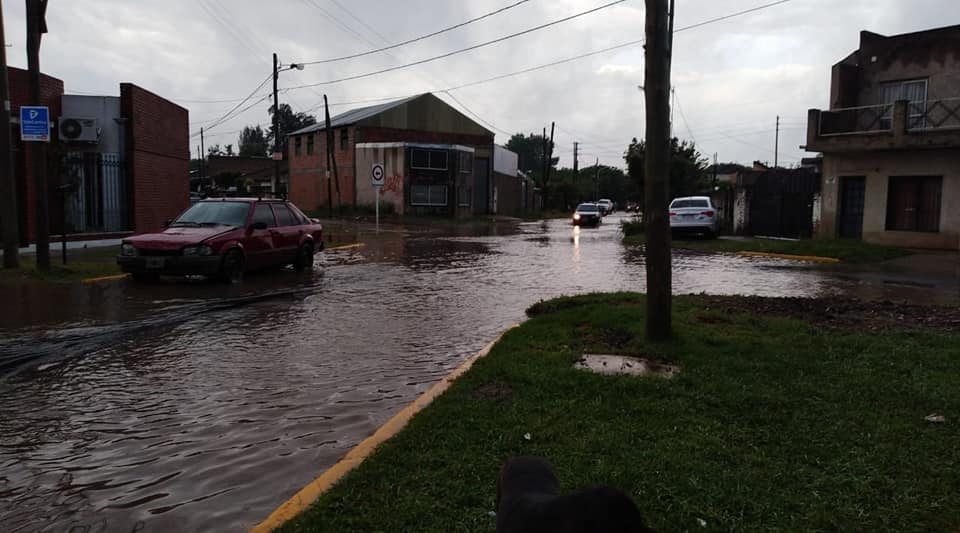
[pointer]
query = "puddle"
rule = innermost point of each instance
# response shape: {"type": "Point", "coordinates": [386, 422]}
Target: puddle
{"type": "Point", "coordinates": [624, 365]}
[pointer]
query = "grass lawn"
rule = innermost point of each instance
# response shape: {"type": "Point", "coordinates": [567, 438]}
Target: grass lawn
{"type": "Point", "coordinates": [773, 423]}
{"type": "Point", "coordinates": [849, 251]}
{"type": "Point", "coordinates": [81, 264]}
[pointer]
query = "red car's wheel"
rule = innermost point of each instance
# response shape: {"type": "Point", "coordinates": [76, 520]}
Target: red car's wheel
{"type": "Point", "coordinates": [304, 260]}
{"type": "Point", "coordinates": [231, 269]}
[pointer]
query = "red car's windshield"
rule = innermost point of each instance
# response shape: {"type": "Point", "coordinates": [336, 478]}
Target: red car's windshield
{"type": "Point", "coordinates": [214, 214]}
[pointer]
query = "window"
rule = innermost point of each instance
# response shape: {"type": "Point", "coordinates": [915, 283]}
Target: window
{"type": "Point", "coordinates": [463, 196]}
{"type": "Point", "coordinates": [435, 195]}
{"type": "Point", "coordinates": [428, 159]}
{"type": "Point", "coordinates": [214, 213]}
{"type": "Point", "coordinates": [262, 213]}
{"type": "Point", "coordinates": [689, 203]}
{"type": "Point", "coordinates": [344, 139]}
{"type": "Point", "coordinates": [298, 214]}
{"type": "Point", "coordinates": [296, 145]}
{"type": "Point", "coordinates": [284, 216]}
{"type": "Point", "coordinates": [310, 144]}
{"type": "Point", "coordinates": [913, 203]}
{"type": "Point", "coordinates": [466, 162]}
{"type": "Point", "coordinates": [913, 91]}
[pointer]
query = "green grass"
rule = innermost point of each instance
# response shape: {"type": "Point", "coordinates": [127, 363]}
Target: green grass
{"type": "Point", "coordinates": [771, 424]}
{"type": "Point", "coordinates": [849, 251]}
{"type": "Point", "coordinates": [81, 264]}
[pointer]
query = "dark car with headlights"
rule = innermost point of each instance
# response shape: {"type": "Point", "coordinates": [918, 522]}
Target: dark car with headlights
{"type": "Point", "coordinates": [225, 238]}
{"type": "Point", "coordinates": [587, 215]}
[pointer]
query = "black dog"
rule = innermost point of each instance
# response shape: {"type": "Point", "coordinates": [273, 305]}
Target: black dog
{"type": "Point", "coordinates": [529, 501]}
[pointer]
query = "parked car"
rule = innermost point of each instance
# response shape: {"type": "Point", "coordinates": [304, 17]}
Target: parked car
{"type": "Point", "coordinates": [225, 237]}
{"type": "Point", "coordinates": [587, 214]}
{"type": "Point", "coordinates": [606, 206]}
{"type": "Point", "coordinates": [693, 214]}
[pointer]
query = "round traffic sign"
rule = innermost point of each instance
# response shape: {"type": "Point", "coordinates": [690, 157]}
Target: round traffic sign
{"type": "Point", "coordinates": [377, 175]}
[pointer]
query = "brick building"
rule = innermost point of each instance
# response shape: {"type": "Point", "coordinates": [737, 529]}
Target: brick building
{"type": "Point", "coordinates": [440, 161]}
{"type": "Point", "coordinates": [125, 159]}
{"type": "Point", "coordinates": [258, 171]}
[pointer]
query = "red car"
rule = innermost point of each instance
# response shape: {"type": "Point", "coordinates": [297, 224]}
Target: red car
{"type": "Point", "coordinates": [225, 237]}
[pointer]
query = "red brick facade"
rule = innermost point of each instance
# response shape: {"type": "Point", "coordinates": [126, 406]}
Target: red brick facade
{"type": "Point", "coordinates": [308, 184]}
{"type": "Point", "coordinates": [157, 157]}
{"type": "Point", "coordinates": [51, 90]}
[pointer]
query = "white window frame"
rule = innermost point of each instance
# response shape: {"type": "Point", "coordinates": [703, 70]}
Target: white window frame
{"type": "Point", "coordinates": [916, 109]}
{"type": "Point", "coordinates": [446, 159]}
{"type": "Point", "coordinates": [430, 187]}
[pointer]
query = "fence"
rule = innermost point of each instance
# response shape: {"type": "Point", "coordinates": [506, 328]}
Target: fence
{"type": "Point", "coordinates": [874, 118]}
{"type": "Point", "coordinates": [96, 199]}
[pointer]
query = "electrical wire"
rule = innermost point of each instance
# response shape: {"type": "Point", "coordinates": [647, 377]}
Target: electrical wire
{"type": "Point", "coordinates": [478, 117]}
{"type": "Point", "coordinates": [410, 41]}
{"type": "Point", "coordinates": [460, 50]}
{"type": "Point", "coordinates": [226, 116]}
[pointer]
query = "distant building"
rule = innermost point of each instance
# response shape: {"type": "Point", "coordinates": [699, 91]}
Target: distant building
{"type": "Point", "coordinates": [891, 141]}
{"type": "Point", "coordinates": [436, 160]}
{"type": "Point", "coordinates": [779, 202]}
{"type": "Point", "coordinates": [257, 172]}
{"type": "Point", "coordinates": [123, 162]}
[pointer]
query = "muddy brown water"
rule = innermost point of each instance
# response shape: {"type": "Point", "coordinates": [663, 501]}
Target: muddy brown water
{"type": "Point", "coordinates": [159, 409]}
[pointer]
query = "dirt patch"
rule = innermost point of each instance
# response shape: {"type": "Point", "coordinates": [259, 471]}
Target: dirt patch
{"type": "Point", "coordinates": [710, 319]}
{"type": "Point", "coordinates": [611, 365]}
{"type": "Point", "coordinates": [495, 391]}
{"type": "Point", "coordinates": [604, 337]}
{"type": "Point", "coordinates": [841, 313]}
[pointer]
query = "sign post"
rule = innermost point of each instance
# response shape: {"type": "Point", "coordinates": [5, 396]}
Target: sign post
{"type": "Point", "coordinates": [377, 180]}
{"type": "Point", "coordinates": [34, 123]}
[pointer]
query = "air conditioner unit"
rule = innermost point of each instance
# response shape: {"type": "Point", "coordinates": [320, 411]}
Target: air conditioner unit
{"type": "Point", "coordinates": [78, 130]}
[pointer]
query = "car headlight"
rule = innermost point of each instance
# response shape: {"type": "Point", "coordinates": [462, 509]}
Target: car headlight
{"type": "Point", "coordinates": [128, 249]}
{"type": "Point", "coordinates": [576, 216]}
{"type": "Point", "coordinates": [200, 249]}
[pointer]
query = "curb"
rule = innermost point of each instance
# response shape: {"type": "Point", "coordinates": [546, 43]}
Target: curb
{"type": "Point", "coordinates": [103, 278]}
{"type": "Point", "coordinates": [813, 258]}
{"type": "Point", "coordinates": [309, 494]}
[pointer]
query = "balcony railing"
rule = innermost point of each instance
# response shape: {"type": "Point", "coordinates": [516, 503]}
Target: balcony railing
{"type": "Point", "coordinates": [934, 115]}
{"type": "Point", "coordinates": [855, 120]}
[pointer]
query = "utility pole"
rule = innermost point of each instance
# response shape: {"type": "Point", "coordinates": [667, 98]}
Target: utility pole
{"type": "Point", "coordinates": [8, 185]}
{"type": "Point", "coordinates": [597, 179]}
{"type": "Point", "coordinates": [714, 169]}
{"type": "Point", "coordinates": [277, 156]}
{"type": "Point", "coordinates": [576, 170]}
{"type": "Point", "coordinates": [776, 146]}
{"type": "Point", "coordinates": [659, 44]}
{"type": "Point", "coordinates": [549, 156]}
{"type": "Point", "coordinates": [331, 158]}
{"type": "Point", "coordinates": [36, 27]}
{"type": "Point", "coordinates": [203, 159]}
{"type": "Point", "coordinates": [329, 143]}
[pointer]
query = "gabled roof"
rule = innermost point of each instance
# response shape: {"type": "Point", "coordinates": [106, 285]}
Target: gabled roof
{"type": "Point", "coordinates": [356, 115]}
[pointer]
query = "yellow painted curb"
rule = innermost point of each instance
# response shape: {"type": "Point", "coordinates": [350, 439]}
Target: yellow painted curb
{"type": "Point", "coordinates": [103, 278]}
{"type": "Point", "coordinates": [814, 258]}
{"type": "Point", "coordinates": [347, 246]}
{"type": "Point", "coordinates": [309, 494]}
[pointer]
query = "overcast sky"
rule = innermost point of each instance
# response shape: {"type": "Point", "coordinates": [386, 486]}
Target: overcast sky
{"type": "Point", "coordinates": [732, 78]}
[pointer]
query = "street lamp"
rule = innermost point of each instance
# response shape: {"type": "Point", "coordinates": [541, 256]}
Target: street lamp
{"type": "Point", "coordinates": [277, 156]}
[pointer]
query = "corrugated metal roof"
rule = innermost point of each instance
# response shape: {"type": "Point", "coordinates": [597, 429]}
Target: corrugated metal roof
{"type": "Point", "coordinates": [356, 115]}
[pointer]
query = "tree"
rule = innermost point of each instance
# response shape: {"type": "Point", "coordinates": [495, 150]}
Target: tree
{"type": "Point", "coordinates": [529, 150]}
{"type": "Point", "coordinates": [215, 149]}
{"type": "Point", "coordinates": [594, 182]}
{"type": "Point", "coordinates": [289, 122]}
{"type": "Point", "coordinates": [253, 142]}
{"type": "Point", "coordinates": [688, 168]}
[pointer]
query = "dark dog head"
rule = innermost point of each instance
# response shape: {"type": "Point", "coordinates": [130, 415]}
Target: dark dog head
{"type": "Point", "coordinates": [529, 500]}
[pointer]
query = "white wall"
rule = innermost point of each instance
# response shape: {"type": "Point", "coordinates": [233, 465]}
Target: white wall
{"type": "Point", "coordinates": [504, 161]}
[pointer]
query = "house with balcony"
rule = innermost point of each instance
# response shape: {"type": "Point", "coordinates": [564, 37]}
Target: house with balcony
{"type": "Point", "coordinates": [891, 142]}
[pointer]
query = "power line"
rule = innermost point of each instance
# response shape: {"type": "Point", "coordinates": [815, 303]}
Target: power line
{"type": "Point", "coordinates": [416, 39]}
{"type": "Point", "coordinates": [684, 117]}
{"type": "Point", "coordinates": [227, 116]}
{"type": "Point", "coordinates": [478, 117]}
{"type": "Point", "coordinates": [461, 50]}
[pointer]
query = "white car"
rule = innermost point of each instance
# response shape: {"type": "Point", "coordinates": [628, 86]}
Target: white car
{"type": "Point", "coordinates": [606, 206]}
{"type": "Point", "coordinates": [694, 214]}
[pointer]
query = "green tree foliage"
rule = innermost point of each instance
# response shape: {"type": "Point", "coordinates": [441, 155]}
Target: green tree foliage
{"type": "Point", "coordinates": [688, 167]}
{"type": "Point", "coordinates": [529, 150]}
{"type": "Point", "coordinates": [590, 184]}
{"type": "Point", "coordinates": [253, 142]}
{"type": "Point", "coordinates": [289, 122]}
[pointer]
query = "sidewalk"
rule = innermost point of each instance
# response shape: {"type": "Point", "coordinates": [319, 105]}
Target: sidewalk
{"type": "Point", "coordinates": [71, 245]}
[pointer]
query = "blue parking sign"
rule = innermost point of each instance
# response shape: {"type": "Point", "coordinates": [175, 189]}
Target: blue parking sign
{"type": "Point", "coordinates": [35, 123]}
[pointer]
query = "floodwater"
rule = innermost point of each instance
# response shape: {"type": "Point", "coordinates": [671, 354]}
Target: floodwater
{"type": "Point", "coordinates": [197, 407]}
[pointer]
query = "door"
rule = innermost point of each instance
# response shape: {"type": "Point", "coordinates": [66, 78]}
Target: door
{"type": "Point", "coordinates": [258, 245]}
{"type": "Point", "coordinates": [850, 219]}
{"type": "Point", "coordinates": [481, 185]}
{"type": "Point", "coordinates": [286, 236]}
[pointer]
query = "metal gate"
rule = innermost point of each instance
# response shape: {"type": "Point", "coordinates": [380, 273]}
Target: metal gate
{"type": "Point", "coordinates": [95, 196]}
{"type": "Point", "coordinates": [781, 203]}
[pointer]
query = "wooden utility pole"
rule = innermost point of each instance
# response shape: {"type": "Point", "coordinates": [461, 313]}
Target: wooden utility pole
{"type": "Point", "coordinates": [597, 165]}
{"type": "Point", "coordinates": [9, 219]}
{"type": "Point", "coordinates": [331, 158]}
{"type": "Point", "coordinates": [36, 27]}
{"type": "Point", "coordinates": [776, 146]}
{"type": "Point", "coordinates": [658, 53]}
{"type": "Point", "coordinates": [277, 156]}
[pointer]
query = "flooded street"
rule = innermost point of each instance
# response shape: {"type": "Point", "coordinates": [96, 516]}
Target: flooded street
{"type": "Point", "coordinates": [168, 408]}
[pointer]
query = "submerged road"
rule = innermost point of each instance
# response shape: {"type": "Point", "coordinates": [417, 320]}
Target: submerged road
{"type": "Point", "coordinates": [193, 406]}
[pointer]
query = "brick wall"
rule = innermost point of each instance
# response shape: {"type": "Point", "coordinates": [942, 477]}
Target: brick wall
{"type": "Point", "coordinates": [308, 181]}
{"type": "Point", "coordinates": [51, 91]}
{"type": "Point", "coordinates": [379, 135]}
{"type": "Point", "coordinates": [158, 157]}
